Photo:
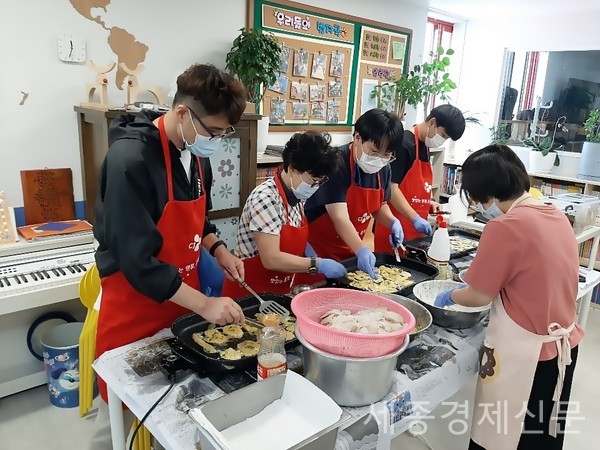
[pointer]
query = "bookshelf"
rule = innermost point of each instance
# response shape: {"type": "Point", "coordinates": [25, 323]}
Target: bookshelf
{"type": "Point", "coordinates": [266, 167]}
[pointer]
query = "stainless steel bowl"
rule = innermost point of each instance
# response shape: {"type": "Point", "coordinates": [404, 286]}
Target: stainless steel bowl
{"type": "Point", "coordinates": [444, 317]}
{"type": "Point", "coordinates": [422, 314]}
{"type": "Point", "coordinates": [301, 288]}
{"type": "Point", "coordinates": [350, 381]}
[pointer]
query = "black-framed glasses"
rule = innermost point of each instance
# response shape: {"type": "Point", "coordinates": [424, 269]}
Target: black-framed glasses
{"type": "Point", "coordinates": [388, 157]}
{"type": "Point", "coordinates": [213, 137]}
{"type": "Point", "coordinates": [318, 182]}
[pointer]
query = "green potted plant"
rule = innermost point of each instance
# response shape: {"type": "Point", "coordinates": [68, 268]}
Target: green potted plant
{"type": "Point", "coordinates": [543, 155]}
{"type": "Point", "coordinates": [435, 80]}
{"type": "Point", "coordinates": [591, 146]}
{"type": "Point", "coordinates": [499, 135]}
{"type": "Point", "coordinates": [419, 86]}
{"type": "Point", "coordinates": [254, 59]}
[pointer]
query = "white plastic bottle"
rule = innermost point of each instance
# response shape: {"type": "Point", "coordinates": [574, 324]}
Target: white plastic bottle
{"type": "Point", "coordinates": [271, 355]}
{"type": "Point", "coordinates": [438, 254]}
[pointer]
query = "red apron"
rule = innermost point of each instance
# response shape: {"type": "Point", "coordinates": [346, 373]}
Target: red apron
{"type": "Point", "coordinates": [416, 187]}
{"type": "Point", "coordinates": [125, 314]}
{"type": "Point", "coordinates": [291, 240]}
{"type": "Point", "coordinates": [361, 203]}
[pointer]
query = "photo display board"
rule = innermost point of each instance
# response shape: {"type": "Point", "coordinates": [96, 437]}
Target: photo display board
{"type": "Point", "coordinates": [330, 64]}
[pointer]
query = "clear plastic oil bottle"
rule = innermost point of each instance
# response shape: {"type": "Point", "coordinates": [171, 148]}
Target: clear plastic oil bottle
{"type": "Point", "coordinates": [271, 355]}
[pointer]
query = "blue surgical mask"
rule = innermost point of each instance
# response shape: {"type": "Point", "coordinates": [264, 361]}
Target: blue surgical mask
{"type": "Point", "coordinates": [304, 191]}
{"type": "Point", "coordinates": [202, 145]}
{"type": "Point", "coordinates": [491, 213]}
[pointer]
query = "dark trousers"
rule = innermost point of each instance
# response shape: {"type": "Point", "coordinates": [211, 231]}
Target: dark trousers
{"type": "Point", "coordinates": [536, 434]}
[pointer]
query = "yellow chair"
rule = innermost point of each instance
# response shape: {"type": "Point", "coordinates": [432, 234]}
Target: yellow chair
{"type": "Point", "coordinates": [535, 193]}
{"type": "Point", "coordinates": [89, 289]}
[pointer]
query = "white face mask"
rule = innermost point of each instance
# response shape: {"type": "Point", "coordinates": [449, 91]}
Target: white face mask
{"type": "Point", "coordinates": [202, 145]}
{"type": "Point", "coordinates": [304, 191]}
{"type": "Point", "coordinates": [371, 164]}
{"type": "Point", "coordinates": [436, 141]}
{"type": "Point", "coordinates": [490, 213]}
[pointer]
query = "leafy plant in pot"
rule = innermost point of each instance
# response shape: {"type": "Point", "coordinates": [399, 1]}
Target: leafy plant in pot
{"type": "Point", "coordinates": [419, 86]}
{"type": "Point", "coordinates": [591, 147]}
{"type": "Point", "coordinates": [254, 59]}
{"type": "Point", "coordinates": [543, 155]}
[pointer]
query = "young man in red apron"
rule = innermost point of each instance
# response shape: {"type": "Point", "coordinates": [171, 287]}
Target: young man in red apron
{"type": "Point", "coordinates": [273, 233]}
{"type": "Point", "coordinates": [340, 212]}
{"type": "Point", "coordinates": [527, 266]}
{"type": "Point", "coordinates": [412, 175]}
{"type": "Point", "coordinates": [151, 216]}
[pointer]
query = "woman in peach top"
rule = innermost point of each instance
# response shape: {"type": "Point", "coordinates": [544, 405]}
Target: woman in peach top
{"type": "Point", "coordinates": [527, 266]}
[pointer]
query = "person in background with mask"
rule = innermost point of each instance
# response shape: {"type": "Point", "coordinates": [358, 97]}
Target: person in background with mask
{"type": "Point", "coordinates": [151, 216]}
{"type": "Point", "coordinates": [273, 234]}
{"type": "Point", "coordinates": [412, 175]}
{"type": "Point", "coordinates": [527, 266]}
{"type": "Point", "coordinates": [340, 212]}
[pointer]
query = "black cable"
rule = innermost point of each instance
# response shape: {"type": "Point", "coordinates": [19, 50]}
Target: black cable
{"type": "Point", "coordinates": [152, 408]}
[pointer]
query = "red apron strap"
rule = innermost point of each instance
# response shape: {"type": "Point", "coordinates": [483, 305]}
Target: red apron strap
{"type": "Point", "coordinates": [416, 132]}
{"type": "Point", "coordinates": [200, 175]}
{"type": "Point", "coordinates": [167, 154]}
{"type": "Point", "coordinates": [283, 196]}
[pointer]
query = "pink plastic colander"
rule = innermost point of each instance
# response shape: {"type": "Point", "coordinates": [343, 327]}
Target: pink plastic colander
{"type": "Point", "coordinates": [310, 306]}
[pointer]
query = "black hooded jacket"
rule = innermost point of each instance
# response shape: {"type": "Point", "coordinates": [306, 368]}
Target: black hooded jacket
{"type": "Point", "coordinates": [131, 197]}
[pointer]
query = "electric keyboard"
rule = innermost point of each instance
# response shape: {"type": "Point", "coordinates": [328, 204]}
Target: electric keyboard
{"type": "Point", "coordinates": [41, 273]}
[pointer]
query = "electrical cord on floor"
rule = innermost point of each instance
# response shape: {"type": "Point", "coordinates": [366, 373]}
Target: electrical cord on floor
{"type": "Point", "coordinates": [152, 408]}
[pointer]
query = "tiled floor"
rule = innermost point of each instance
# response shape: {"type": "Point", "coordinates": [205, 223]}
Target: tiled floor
{"type": "Point", "coordinates": [28, 421]}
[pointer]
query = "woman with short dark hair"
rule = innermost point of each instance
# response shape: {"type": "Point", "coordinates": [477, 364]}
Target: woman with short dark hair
{"type": "Point", "coordinates": [527, 266]}
{"type": "Point", "coordinates": [273, 235]}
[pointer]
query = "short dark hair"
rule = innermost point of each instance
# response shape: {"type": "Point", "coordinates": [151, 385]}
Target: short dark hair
{"type": "Point", "coordinates": [382, 127]}
{"type": "Point", "coordinates": [494, 171]}
{"type": "Point", "coordinates": [214, 91]}
{"type": "Point", "coordinates": [311, 152]}
{"type": "Point", "coordinates": [449, 117]}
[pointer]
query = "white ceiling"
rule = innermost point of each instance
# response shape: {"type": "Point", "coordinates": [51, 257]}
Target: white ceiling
{"type": "Point", "coordinates": [483, 9]}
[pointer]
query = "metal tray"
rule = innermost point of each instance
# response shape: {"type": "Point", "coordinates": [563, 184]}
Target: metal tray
{"type": "Point", "coordinates": [425, 242]}
{"type": "Point", "coordinates": [185, 326]}
{"type": "Point", "coordinates": [419, 271]}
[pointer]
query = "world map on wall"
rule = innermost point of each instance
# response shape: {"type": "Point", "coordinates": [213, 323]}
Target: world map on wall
{"type": "Point", "coordinates": [123, 44]}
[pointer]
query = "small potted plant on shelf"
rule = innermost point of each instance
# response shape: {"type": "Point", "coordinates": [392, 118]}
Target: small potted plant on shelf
{"type": "Point", "coordinates": [254, 59]}
{"type": "Point", "coordinates": [590, 154]}
{"type": "Point", "coordinates": [543, 155]}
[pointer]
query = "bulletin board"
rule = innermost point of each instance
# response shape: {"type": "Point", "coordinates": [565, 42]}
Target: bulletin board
{"type": "Point", "coordinates": [329, 66]}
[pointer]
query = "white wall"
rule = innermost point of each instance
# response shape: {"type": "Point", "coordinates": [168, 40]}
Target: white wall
{"type": "Point", "coordinates": [565, 65]}
{"type": "Point", "coordinates": [43, 132]}
{"type": "Point", "coordinates": [483, 56]}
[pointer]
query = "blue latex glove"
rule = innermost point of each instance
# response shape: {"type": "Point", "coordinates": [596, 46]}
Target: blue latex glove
{"type": "Point", "coordinates": [309, 252]}
{"type": "Point", "coordinates": [331, 268]}
{"type": "Point", "coordinates": [366, 261]}
{"type": "Point", "coordinates": [397, 236]}
{"type": "Point", "coordinates": [422, 225]}
{"type": "Point", "coordinates": [443, 299]}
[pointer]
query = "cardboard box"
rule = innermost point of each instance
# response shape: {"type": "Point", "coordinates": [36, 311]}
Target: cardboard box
{"type": "Point", "coordinates": [282, 412]}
